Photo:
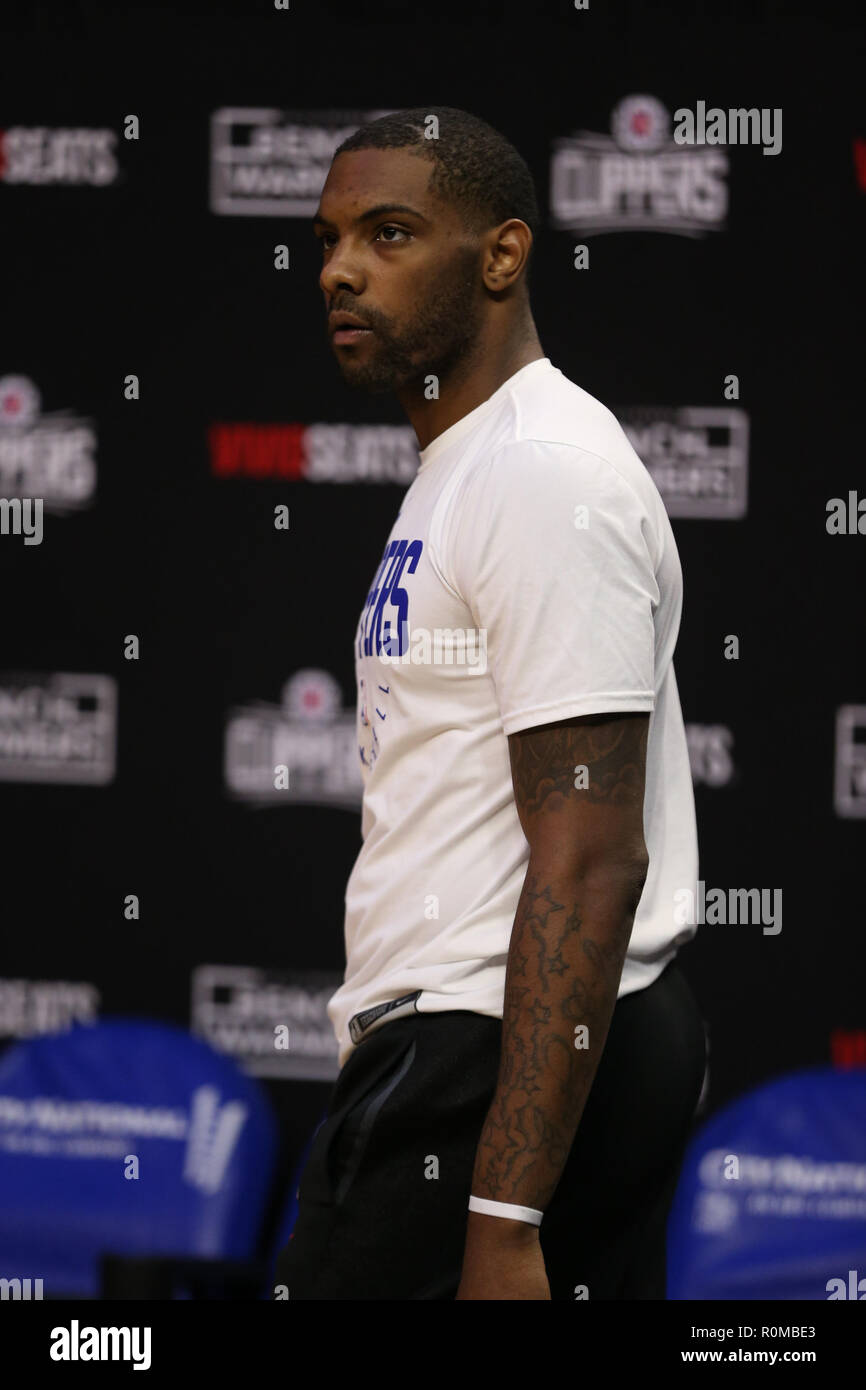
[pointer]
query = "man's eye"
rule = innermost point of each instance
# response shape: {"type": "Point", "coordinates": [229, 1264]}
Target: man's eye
{"type": "Point", "coordinates": [389, 227]}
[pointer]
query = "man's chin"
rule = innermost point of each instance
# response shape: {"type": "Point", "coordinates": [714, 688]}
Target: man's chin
{"type": "Point", "coordinates": [361, 377]}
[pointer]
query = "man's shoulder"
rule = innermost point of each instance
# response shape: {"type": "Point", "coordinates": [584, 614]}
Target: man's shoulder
{"type": "Point", "coordinates": [554, 417]}
{"type": "Point", "coordinates": [555, 410]}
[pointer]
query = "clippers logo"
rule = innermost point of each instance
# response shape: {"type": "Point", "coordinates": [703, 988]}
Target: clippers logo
{"type": "Point", "coordinates": [19, 401]}
{"type": "Point", "coordinates": [638, 179]}
{"type": "Point", "coordinates": [309, 733]}
{"type": "Point", "coordinates": [640, 124]}
{"type": "Point", "coordinates": [46, 455]}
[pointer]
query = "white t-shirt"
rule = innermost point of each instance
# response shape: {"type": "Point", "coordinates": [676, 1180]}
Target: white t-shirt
{"type": "Point", "coordinates": [533, 528]}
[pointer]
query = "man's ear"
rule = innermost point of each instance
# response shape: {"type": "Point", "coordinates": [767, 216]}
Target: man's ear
{"type": "Point", "coordinates": [506, 254]}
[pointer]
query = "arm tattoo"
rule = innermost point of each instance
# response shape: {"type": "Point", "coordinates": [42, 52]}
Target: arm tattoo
{"type": "Point", "coordinates": [543, 761]}
{"type": "Point", "coordinates": [565, 959]}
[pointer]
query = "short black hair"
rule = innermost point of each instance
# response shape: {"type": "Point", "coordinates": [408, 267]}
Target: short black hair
{"type": "Point", "coordinates": [474, 167]}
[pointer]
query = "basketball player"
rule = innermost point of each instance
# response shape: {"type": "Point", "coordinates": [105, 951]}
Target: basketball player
{"type": "Point", "coordinates": [521, 1057]}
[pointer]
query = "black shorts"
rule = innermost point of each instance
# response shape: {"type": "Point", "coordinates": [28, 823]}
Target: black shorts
{"type": "Point", "coordinates": [384, 1194]}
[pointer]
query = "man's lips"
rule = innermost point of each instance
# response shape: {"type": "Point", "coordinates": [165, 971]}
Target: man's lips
{"type": "Point", "coordinates": [347, 328]}
{"type": "Point", "coordinates": [350, 334]}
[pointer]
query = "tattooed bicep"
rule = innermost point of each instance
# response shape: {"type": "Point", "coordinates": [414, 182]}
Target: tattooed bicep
{"type": "Point", "coordinates": [580, 782]}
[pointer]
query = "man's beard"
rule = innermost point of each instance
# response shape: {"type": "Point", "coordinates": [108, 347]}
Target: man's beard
{"type": "Point", "coordinates": [441, 335]}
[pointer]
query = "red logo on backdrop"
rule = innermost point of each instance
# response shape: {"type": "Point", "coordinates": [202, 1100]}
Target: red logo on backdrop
{"type": "Point", "coordinates": [860, 162]}
{"type": "Point", "coordinates": [256, 451]}
{"type": "Point", "coordinates": [19, 401]}
{"type": "Point", "coordinates": [848, 1048]}
{"type": "Point", "coordinates": [10, 406]}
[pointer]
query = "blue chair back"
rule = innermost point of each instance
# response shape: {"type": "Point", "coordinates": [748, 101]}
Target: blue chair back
{"type": "Point", "coordinates": [127, 1137]}
{"type": "Point", "coordinates": [771, 1201]}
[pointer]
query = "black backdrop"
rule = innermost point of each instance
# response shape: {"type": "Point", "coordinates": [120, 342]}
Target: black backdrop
{"type": "Point", "coordinates": [177, 545]}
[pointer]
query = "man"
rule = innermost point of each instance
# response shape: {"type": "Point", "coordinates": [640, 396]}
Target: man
{"type": "Point", "coordinates": [515, 1040]}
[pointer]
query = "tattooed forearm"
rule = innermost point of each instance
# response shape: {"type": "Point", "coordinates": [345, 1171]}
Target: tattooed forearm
{"type": "Point", "coordinates": [558, 979]}
{"type": "Point", "coordinates": [568, 945]}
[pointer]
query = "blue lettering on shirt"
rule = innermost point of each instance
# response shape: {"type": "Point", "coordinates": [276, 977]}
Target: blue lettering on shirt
{"type": "Point", "coordinates": [375, 631]}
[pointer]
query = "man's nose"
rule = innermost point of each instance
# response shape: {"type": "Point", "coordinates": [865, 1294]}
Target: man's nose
{"type": "Point", "coordinates": [341, 272]}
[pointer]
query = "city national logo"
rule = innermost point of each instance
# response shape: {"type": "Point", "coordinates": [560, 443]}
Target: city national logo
{"type": "Point", "coordinates": [61, 1127]}
{"type": "Point", "coordinates": [60, 727]}
{"type": "Point", "coordinates": [638, 178]}
{"type": "Point", "coordinates": [698, 457]}
{"type": "Point", "coordinates": [272, 163]}
{"type": "Point", "coordinates": [786, 1186]}
{"type": "Point", "coordinates": [273, 1022]}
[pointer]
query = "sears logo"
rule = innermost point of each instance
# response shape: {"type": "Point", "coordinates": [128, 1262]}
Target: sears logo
{"type": "Point", "coordinates": [637, 179]}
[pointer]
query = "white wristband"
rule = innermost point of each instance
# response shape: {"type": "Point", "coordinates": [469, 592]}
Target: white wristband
{"type": "Point", "coordinates": [489, 1208]}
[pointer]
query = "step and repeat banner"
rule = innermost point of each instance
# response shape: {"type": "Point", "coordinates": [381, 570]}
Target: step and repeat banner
{"type": "Point", "coordinates": [193, 505]}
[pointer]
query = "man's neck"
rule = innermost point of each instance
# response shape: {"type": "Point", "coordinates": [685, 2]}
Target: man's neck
{"type": "Point", "coordinates": [473, 383]}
